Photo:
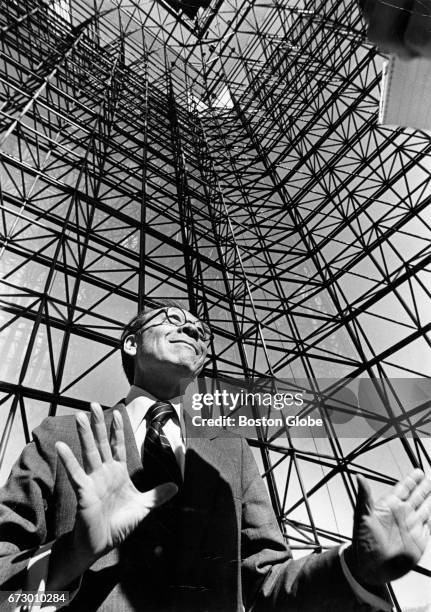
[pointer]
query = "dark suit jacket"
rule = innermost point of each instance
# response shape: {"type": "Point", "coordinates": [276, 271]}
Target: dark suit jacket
{"type": "Point", "coordinates": [228, 550]}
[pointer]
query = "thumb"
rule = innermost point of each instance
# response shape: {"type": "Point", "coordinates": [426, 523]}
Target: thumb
{"type": "Point", "coordinates": [364, 499]}
{"type": "Point", "coordinates": [159, 495]}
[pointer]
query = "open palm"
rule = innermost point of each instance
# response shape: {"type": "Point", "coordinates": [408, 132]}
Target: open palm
{"type": "Point", "coordinates": [390, 536]}
{"type": "Point", "coordinates": [109, 507]}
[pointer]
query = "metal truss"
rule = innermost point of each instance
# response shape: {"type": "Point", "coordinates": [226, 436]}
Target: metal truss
{"type": "Point", "coordinates": [233, 161]}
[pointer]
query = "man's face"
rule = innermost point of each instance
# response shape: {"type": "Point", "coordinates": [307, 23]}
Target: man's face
{"type": "Point", "coordinates": [174, 342]}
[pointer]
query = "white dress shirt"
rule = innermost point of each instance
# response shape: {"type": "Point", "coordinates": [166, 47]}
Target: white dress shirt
{"type": "Point", "coordinates": [138, 402]}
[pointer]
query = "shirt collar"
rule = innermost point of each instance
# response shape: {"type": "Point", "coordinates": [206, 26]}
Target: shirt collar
{"type": "Point", "coordinates": [138, 402]}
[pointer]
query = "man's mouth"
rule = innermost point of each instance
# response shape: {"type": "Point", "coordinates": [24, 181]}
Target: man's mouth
{"type": "Point", "coordinates": [192, 346]}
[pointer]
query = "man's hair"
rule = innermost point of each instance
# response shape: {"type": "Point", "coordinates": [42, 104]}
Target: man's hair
{"type": "Point", "coordinates": [134, 326]}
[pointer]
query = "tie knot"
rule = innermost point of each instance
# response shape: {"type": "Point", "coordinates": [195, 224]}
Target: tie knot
{"type": "Point", "coordinates": [160, 412]}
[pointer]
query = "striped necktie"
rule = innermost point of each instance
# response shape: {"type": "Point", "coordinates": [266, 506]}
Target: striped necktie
{"type": "Point", "coordinates": [158, 459]}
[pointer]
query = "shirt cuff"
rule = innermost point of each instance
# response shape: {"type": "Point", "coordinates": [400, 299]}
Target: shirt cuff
{"type": "Point", "coordinates": [376, 602]}
{"type": "Point", "coordinates": [37, 574]}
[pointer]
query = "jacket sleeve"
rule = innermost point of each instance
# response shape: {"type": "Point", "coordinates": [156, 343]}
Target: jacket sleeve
{"type": "Point", "coordinates": [272, 580]}
{"type": "Point", "coordinates": [24, 501]}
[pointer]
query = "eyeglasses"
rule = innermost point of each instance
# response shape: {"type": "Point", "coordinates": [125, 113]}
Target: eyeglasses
{"type": "Point", "coordinates": [178, 317]}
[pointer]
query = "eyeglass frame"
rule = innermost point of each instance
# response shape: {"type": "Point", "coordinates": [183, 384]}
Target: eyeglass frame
{"type": "Point", "coordinates": [206, 338]}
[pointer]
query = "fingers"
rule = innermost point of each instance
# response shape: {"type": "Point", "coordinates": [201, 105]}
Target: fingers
{"type": "Point", "coordinates": [420, 493]}
{"type": "Point", "coordinates": [404, 488]}
{"type": "Point", "coordinates": [99, 430]}
{"type": "Point", "coordinates": [364, 500]}
{"type": "Point", "coordinates": [96, 448]}
{"type": "Point", "coordinates": [117, 438]}
{"type": "Point", "coordinates": [159, 495]}
{"type": "Point", "coordinates": [74, 471]}
{"type": "Point", "coordinates": [90, 453]}
{"type": "Point", "coordinates": [415, 490]}
{"type": "Point", "coordinates": [423, 513]}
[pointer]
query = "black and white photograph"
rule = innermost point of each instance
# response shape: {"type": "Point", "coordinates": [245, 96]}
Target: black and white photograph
{"type": "Point", "coordinates": [215, 305]}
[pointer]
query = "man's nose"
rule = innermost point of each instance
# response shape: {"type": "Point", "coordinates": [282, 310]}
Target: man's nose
{"type": "Point", "coordinates": [190, 329]}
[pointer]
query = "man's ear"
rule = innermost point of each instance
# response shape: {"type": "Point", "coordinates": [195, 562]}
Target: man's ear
{"type": "Point", "coordinates": [130, 345]}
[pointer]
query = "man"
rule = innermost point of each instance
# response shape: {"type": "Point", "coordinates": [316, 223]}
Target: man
{"type": "Point", "coordinates": [120, 541]}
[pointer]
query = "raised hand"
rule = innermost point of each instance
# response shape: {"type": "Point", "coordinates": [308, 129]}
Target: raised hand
{"type": "Point", "coordinates": [109, 507]}
{"type": "Point", "coordinates": [390, 536]}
